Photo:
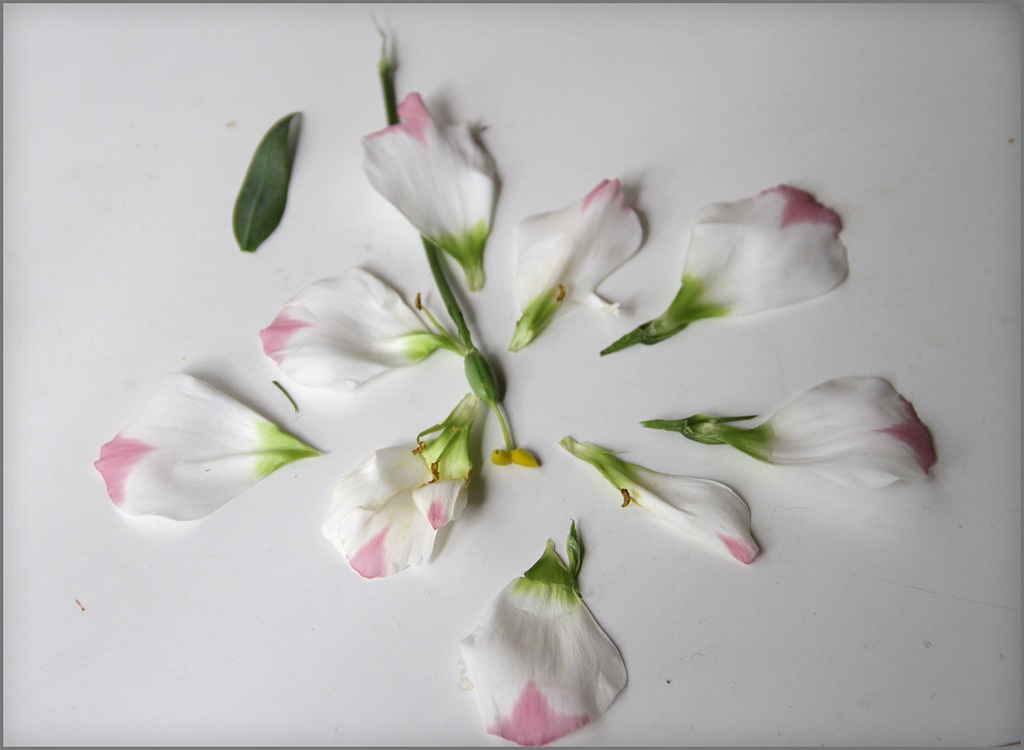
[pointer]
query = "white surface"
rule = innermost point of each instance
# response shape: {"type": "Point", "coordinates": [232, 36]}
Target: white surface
{"type": "Point", "coordinates": [887, 617]}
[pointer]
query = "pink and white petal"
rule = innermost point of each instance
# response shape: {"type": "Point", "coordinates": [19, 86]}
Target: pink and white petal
{"type": "Point", "coordinates": [342, 331]}
{"type": "Point", "coordinates": [776, 249]}
{"type": "Point", "coordinates": [373, 520]}
{"type": "Point", "coordinates": [190, 450]}
{"type": "Point", "coordinates": [858, 431]}
{"type": "Point", "coordinates": [576, 247]}
{"type": "Point", "coordinates": [702, 508]}
{"type": "Point", "coordinates": [437, 176]}
{"type": "Point", "coordinates": [541, 665]}
{"type": "Point", "coordinates": [441, 502]}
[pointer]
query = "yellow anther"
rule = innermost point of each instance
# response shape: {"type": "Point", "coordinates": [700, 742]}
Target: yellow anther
{"type": "Point", "coordinates": [419, 304]}
{"type": "Point", "coordinates": [501, 457]}
{"type": "Point", "coordinates": [626, 497]}
{"type": "Point", "coordinates": [561, 293]}
{"type": "Point", "coordinates": [523, 457]}
{"type": "Point", "coordinates": [419, 448]}
{"type": "Point", "coordinates": [435, 473]}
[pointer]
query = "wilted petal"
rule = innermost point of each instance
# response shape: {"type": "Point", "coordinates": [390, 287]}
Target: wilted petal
{"type": "Point", "coordinates": [562, 256]}
{"type": "Point", "coordinates": [776, 249]}
{"type": "Point", "coordinates": [705, 510]}
{"type": "Point", "coordinates": [190, 450]}
{"type": "Point", "coordinates": [439, 178]}
{"type": "Point", "coordinates": [540, 664]}
{"type": "Point", "coordinates": [342, 331]}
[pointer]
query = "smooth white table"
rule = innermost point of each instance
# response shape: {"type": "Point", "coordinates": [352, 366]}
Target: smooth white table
{"type": "Point", "coordinates": [879, 618]}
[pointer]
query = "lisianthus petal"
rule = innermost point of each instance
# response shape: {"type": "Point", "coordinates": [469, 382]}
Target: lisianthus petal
{"type": "Point", "coordinates": [562, 256]}
{"type": "Point", "coordinates": [439, 178]}
{"type": "Point", "coordinates": [709, 509]}
{"type": "Point", "coordinates": [190, 450]}
{"type": "Point", "coordinates": [705, 509]}
{"type": "Point", "coordinates": [540, 664]}
{"type": "Point", "coordinates": [775, 249]}
{"type": "Point", "coordinates": [342, 331]}
{"type": "Point", "coordinates": [443, 501]}
{"type": "Point", "coordinates": [374, 521]}
{"type": "Point", "coordinates": [858, 431]}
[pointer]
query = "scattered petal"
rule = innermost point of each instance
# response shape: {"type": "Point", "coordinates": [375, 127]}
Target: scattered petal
{"type": "Point", "coordinates": [541, 665]}
{"type": "Point", "coordinates": [706, 510]}
{"type": "Point", "coordinates": [562, 256]}
{"type": "Point", "coordinates": [386, 513]}
{"type": "Point", "coordinates": [776, 249]}
{"type": "Point", "coordinates": [343, 331]}
{"type": "Point", "coordinates": [439, 178]}
{"type": "Point", "coordinates": [190, 450]}
{"type": "Point", "coordinates": [857, 431]}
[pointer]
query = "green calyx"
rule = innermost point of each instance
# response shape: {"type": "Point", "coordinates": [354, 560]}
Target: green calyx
{"type": "Point", "coordinates": [716, 430]}
{"type": "Point", "coordinates": [690, 304]}
{"type": "Point", "coordinates": [277, 449]}
{"type": "Point", "coordinates": [551, 577]}
{"type": "Point", "coordinates": [467, 248]}
{"type": "Point", "coordinates": [422, 344]}
{"type": "Point", "coordinates": [536, 317]}
{"type": "Point", "coordinates": [620, 473]}
{"type": "Point", "coordinates": [447, 454]}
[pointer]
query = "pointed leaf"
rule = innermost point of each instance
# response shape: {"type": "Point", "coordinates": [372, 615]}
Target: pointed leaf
{"type": "Point", "coordinates": [264, 193]}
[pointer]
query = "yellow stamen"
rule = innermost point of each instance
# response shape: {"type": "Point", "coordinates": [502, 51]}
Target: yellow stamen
{"type": "Point", "coordinates": [561, 293]}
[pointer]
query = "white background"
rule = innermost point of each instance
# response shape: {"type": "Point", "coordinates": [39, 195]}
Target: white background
{"type": "Point", "coordinates": [886, 617]}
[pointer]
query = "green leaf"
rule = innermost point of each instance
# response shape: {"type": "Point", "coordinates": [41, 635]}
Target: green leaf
{"type": "Point", "coordinates": [261, 201]}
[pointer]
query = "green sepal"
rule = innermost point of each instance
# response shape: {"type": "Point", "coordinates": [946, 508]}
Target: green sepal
{"type": "Point", "coordinates": [535, 318]}
{"type": "Point", "coordinates": [717, 430]}
{"type": "Point", "coordinates": [261, 200]}
{"type": "Point", "coordinates": [278, 448]}
{"type": "Point", "coordinates": [689, 304]}
{"type": "Point", "coordinates": [467, 248]}
{"type": "Point", "coordinates": [450, 448]}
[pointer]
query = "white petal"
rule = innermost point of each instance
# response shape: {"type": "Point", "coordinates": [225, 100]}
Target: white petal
{"type": "Point", "coordinates": [374, 521]}
{"type": "Point", "coordinates": [541, 666]}
{"type": "Point", "coordinates": [342, 331]}
{"type": "Point", "coordinates": [855, 430]}
{"type": "Point", "coordinates": [775, 249]}
{"type": "Point", "coordinates": [438, 177]}
{"type": "Point", "coordinates": [442, 502]}
{"type": "Point", "coordinates": [190, 450]}
{"type": "Point", "coordinates": [576, 247]}
{"type": "Point", "coordinates": [702, 508]}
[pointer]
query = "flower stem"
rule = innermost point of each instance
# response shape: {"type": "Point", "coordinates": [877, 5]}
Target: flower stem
{"type": "Point", "coordinates": [479, 372]}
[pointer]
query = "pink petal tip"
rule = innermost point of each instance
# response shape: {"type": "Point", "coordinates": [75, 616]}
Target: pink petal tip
{"type": "Point", "coordinates": [437, 515]}
{"type": "Point", "coordinates": [116, 461]}
{"type": "Point", "coordinates": [801, 208]}
{"type": "Point", "coordinates": [276, 336]}
{"type": "Point", "coordinates": [414, 116]}
{"type": "Point", "coordinates": [913, 432]}
{"type": "Point", "coordinates": [742, 550]}
{"type": "Point", "coordinates": [610, 189]}
{"type": "Point", "coordinates": [533, 722]}
{"type": "Point", "coordinates": [369, 560]}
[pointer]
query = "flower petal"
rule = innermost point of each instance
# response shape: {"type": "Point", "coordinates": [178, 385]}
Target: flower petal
{"type": "Point", "coordinates": [439, 178]}
{"type": "Point", "coordinates": [540, 664]}
{"type": "Point", "coordinates": [858, 431]}
{"type": "Point", "coordinates": [190, 450]}
{"type": "Point", "coordinates": [374, 521]}
{"type": "Point", "coordinates": [706, 510]}
{"type": "Point", "coordinates": [562, 256]}
{"type": "Point", "coordinates": [443, 501]}
{"type": "Point", "coordinates": [775, 249]}
{"type": "Point", "coordinates": [342, 331]}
